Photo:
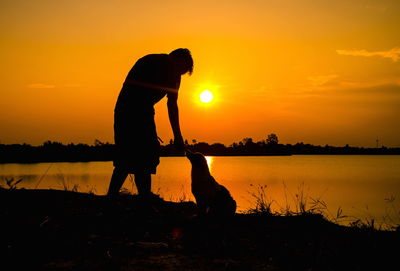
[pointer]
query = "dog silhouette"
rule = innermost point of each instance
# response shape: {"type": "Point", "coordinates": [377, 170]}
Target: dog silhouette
{"type": "Point", "coordinates": [211, 197]}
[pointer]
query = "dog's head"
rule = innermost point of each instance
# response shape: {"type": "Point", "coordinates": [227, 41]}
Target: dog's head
{"type": "Point", "coordinates": [197, 159]}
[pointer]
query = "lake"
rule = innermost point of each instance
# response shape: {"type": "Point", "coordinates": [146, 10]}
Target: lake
{"type": "Point", "coordinates": [363, 186]}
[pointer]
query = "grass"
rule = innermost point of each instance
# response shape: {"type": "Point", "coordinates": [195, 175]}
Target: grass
{"type": "Point", "coordinates": [296, 204]}
{"type": "Point", "coordinates": [391, 212]}
{"type": "Point", "coordinates": [306, 205]}
{"type": "Point", "coordinates": [11, 183]}
{"type": "Point", "coordinates": [43, 175]}
{"type": "Point", "coordinates": [66, 184]}
{"type": "Point", "coordinates": [184, 197]}
{"type": "Point", "coordinates": [262, 205]}
{"type": "Point", "coordinates": [301, 202]}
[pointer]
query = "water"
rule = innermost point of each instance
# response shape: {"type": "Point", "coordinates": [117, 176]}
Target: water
{"type": "Point", "coordinates": [359, 185]}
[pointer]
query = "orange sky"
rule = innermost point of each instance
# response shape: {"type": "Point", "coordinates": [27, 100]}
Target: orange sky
{"type": "Point", "coordinates": [321, 72]}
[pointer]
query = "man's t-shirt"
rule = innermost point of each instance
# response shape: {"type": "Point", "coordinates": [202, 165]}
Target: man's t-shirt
{"type": "Point", "coordinates": [154, 69]}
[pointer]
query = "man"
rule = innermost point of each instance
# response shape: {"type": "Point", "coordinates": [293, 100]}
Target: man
{"type": "Point", "coordinates": [137, 147]}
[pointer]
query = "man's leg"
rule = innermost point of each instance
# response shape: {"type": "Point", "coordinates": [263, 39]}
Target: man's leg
{"type": "Point", "coordinates": [117, 180]}
{"type": "Point", "coordinates": [143, 183]}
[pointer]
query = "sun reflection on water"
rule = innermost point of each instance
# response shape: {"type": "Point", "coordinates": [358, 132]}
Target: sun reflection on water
{"type": "Point", "coordinates": [209, 161]}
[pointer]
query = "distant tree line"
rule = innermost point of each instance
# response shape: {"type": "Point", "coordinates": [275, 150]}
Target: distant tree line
{"type": "Point", "coordinates": [51, 151]}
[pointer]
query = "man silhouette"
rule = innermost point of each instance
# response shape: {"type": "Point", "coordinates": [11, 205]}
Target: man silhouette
{"type": "Point", "coordinates": [137, 147]}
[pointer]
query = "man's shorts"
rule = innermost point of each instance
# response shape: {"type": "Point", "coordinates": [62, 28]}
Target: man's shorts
{"type": "Point", "coordinates": [137, 149]}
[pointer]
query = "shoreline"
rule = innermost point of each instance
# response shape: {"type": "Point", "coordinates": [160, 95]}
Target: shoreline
{"type": "Point", "coordinates": [261, 155]}
{"type": "Point", "coordinates": [58, 152]}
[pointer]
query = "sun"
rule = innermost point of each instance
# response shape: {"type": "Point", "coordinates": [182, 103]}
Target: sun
{"type": "Point", "coordinates": [206, 96]}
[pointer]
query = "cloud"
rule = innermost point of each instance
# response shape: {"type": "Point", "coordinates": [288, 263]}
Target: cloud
{"type": "Point", "coordinates": [393, 54]}
{"type": "Point", "coordinates": [319, 80]}
{"type": "Point", "coordinates": [40, 85]}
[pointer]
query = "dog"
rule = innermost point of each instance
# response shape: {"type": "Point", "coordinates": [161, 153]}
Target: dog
{"type": "Point", "coordinates": [211, 197]}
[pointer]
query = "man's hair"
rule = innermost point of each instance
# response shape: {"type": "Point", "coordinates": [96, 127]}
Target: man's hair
{"type": "Point", "coordinates": [186, 56]}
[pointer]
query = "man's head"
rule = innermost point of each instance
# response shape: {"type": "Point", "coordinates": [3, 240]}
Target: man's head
{"type": "Point", "coordinates": [183, 60]}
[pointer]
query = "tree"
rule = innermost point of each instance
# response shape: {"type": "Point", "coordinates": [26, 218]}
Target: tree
{"type": "Point", "coordinates": [98, 143]}
{"type": "Point", "coordinates": [272, 139]}
{"type": "Point", "coordinates": [247, 141]}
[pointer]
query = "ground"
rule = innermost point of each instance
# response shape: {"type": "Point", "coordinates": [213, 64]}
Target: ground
{"type": "Point", "coordinates": [64, 230]}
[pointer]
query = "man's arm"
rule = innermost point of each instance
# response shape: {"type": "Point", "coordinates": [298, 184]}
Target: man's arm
{"type": "Point", "coordinates": [173, 113]}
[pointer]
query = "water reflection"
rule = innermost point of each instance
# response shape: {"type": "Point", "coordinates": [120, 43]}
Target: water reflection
{"type": "Point", "coordinates": [209, 161]}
